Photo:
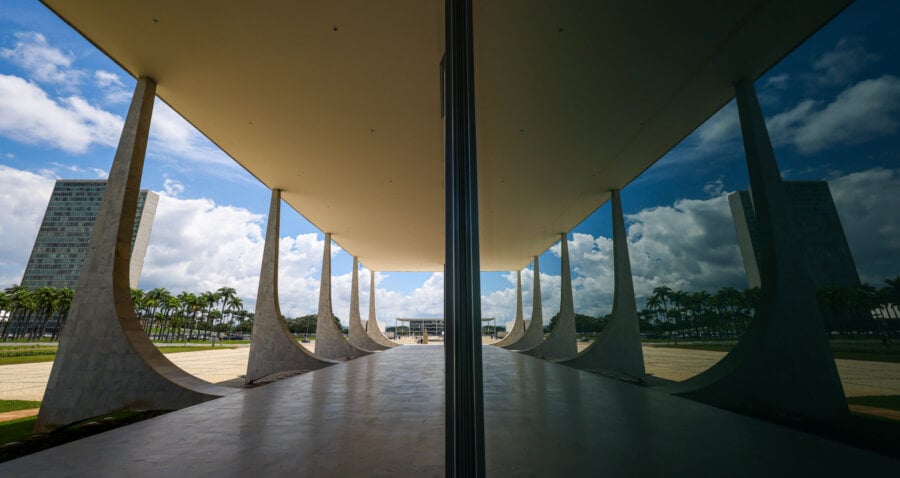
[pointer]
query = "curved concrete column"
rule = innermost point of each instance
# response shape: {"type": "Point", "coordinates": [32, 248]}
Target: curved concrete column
{"type": "Point", "coordinates": [330, 342]}
{"type": "Point", "coordinates": [561, 344]}
{"type": "Point", "coordinates": [618, 349]}
{"type": "Point", "coordinates": [105, 361]}
{"type": "Point", "coordinates": [783, 364]}
{"type": "Point", "coordinates": [372, 325]}
{"type": "Point", "coordinates": [357, 335]}
{"type": "Point", "coordinates": [273, 349]}
{"type": "Point", "coordinates": [534, 332]}
{"type": "Point", "coordinates": [518, 328]}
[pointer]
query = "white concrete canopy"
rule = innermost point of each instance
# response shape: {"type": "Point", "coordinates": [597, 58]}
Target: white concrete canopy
{"type": "Point", "coordinates": [338, 102]}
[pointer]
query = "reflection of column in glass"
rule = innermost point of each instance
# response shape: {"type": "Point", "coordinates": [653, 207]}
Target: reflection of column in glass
{"type": "Point", "coordinates": [784, 358]}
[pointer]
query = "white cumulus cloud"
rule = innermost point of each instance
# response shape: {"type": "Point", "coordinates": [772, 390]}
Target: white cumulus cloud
{"type": "Point", "coordinates": [171, 136]}
{"type": "Point", "coordinates": [865, 110]}
{"type": "Point", "coordinates": [867, 203]}
{"type": "Point", "coordinates": [29, 115]}
{"type": "Point", "coordinates": [45, 63]}
{"type": "Point", "coordinates": [24, 196]}
{"type": "Point", "coordinates": [840, 64]}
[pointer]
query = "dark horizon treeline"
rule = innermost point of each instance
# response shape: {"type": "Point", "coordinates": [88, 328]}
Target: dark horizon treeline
{"type": "Point", "coordinates": [674, 314]}
{"type": "Point", "coordinates": [667, 313]}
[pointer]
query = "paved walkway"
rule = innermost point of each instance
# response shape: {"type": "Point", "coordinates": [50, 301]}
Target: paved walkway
{"type": "Point", "coordinates": [859, 378]}
{"type": "Point", "coordinates": [379, 416]}
{"type": "Point", "coordinates": [28, 381]}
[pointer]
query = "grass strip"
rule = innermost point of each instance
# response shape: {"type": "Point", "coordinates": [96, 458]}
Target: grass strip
{"type": "Point", "coordinates": [867, 352]}
{"type": "Point", "coordinates": [192, 348]}
{"type": "Point", "coordinates": [13, 405]}
{"type": "Point", "coordinates": [47, 354]}
{"type": "Point", "coordinates": [20, 432]}
{"type": "Point", "coordinates": [890, 402]}
{"type": "Point", "coordinates": [16, 430]}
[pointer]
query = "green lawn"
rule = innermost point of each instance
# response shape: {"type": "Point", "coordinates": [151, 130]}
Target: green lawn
{"type": "Point", "coordinates": [16, 430]}
{"type": "Point", "coordinates": [192, 348]}
{"type": "Point", "coordinates": [43, 353]}
{"type": "Point", "coordinates": [869, 350]}
{"type": "Point", "coordinates": [27, 354]}
{"type": "Point", "coordinates": [891, 402]}
{"type": "Point", "coordinates": [13, 405]}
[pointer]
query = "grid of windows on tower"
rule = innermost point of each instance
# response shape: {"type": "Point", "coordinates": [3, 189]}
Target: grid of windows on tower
{"type": "Point", "coordinates": [65, 232]}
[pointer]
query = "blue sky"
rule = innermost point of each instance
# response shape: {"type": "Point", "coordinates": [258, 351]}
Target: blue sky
{"type": "Point", "coordinates": [833, 109]}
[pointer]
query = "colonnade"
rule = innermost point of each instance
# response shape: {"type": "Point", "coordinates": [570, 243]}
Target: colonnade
{"type": "Point", "coordinates": [782, 365]}
{"type": "Point", "coordinates": [106, 362]}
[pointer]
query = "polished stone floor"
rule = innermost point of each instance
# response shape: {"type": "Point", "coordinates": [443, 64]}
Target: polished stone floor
{"type": "Point", "coordinates": [382, 415]}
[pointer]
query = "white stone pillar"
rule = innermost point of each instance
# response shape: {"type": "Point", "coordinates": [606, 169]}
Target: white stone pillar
{"type": "Point", "coordinates": [357, 334]}
{"type": "Point", "coordinates": [561, 344]}
{"type": "Point", "coordinates": [372, 328]}
{"type": "Point", "coordinates": [618, 349]}
{"type": "Point", "coordinates": [330, 342]}
{"type": "Point", "coordinates": [105, 360]}
{"type": "Point", "coordinates": [518, 328]}
{"type": "Point", "coordinates": [534, 332]}
{"type": "Point", "coordinates": [273, 349]}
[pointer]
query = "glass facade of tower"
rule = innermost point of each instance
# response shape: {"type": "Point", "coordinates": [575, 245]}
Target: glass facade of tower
{"type": "Point", "coordinates": [820, 232]}
{"type": "Point", "coordinates": [63, 238]}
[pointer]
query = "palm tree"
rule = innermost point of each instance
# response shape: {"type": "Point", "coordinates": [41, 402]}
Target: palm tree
{"type": "Point", "coordinates": [208, 300]}
{"type": "Point", "coordinates": [227, 296]}
{"type": "Point", "coordinates": [188, 303]}
{"type": "Point", "coordinates": [680, 301]}
{"type": "Point", "coordinates": [22, 305]}
{"type": "Point", "coordinates": [45, 305]}
{"type": "Point", "coordinates": [654, 307]}
{"type": "Point", "coordinates": [663, 294]}
{"type": "Point", "coordinates": [137, 300]}
{"type": "Point", "coordinates": [151, 303]}
{"type": "Point", "coordinates": [171, 307]}
{"type": "Point", "coordinates": [5, 307]}
{"type": "Point", "coordinates": [233, 306]}
{"type": "Point", "coordinates": [63, 303]}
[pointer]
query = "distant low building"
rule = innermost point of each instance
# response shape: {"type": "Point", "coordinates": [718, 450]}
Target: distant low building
{"type": "Point", "coordinates": [65, 232]}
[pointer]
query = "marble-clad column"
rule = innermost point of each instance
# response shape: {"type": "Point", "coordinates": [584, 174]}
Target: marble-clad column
{"type": "Point", "coordinates": [561, 344]}
{"type": "Point", "coordinates": [273, 349]}
{"type": "Point", "coordinates": [105, 361]}
{"type": "Point", "coordinates": [330, 341]}
{"type": "Point", "coordinates": [618, 349]}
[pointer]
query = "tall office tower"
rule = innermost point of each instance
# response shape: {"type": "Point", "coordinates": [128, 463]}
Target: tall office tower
{"type": "Point", "coordinates": [817, 223]}
{"type": "Point", "coordinates": [63, 238]}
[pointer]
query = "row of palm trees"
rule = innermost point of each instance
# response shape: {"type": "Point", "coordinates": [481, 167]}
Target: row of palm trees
{"type": "Point", "coordinates": [727, 312]}
{"type": "Point", "coordinates": [41, 313]}
{"type": "Point", "coordinates": [189, 316]}
{"type": "Point", "coordinates": [676, 313]}
{"type": "Point", "coordinates": [861, 309]}
{"type": "Point", "coordinates": [34, 313]}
